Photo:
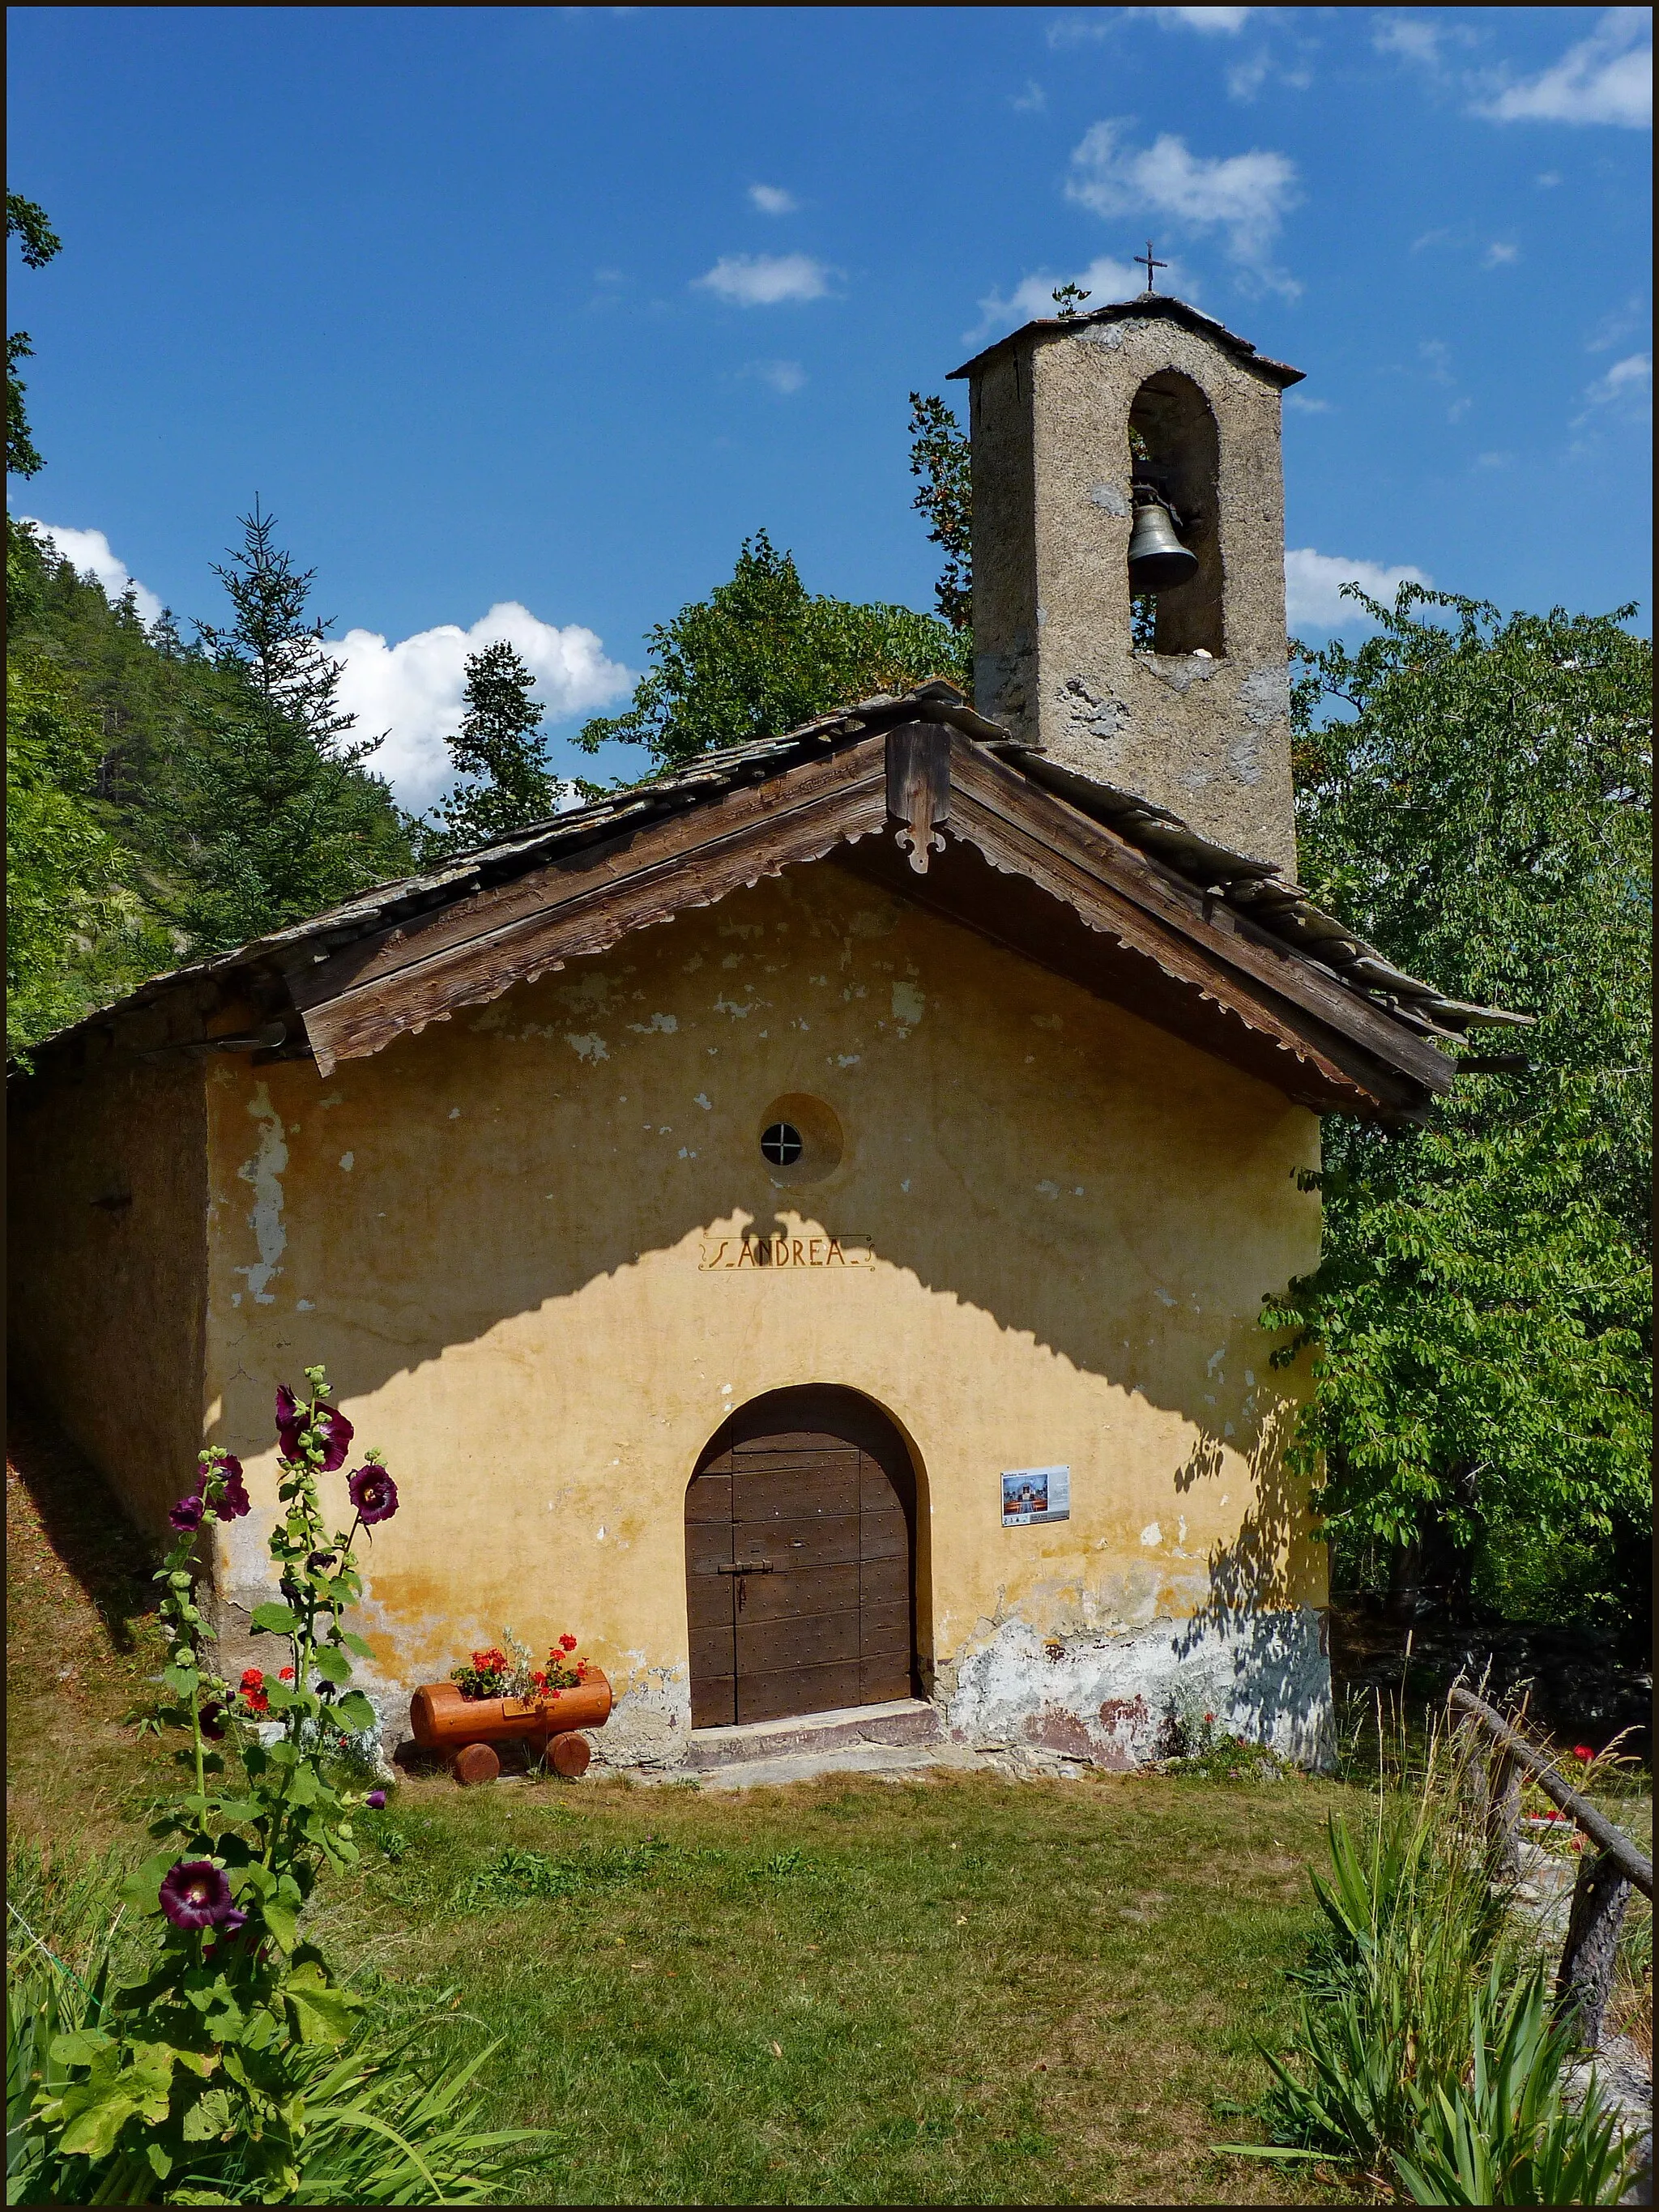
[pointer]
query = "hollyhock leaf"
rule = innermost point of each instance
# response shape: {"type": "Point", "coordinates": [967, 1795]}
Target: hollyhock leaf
{"type": "Point", "coordinates": [332, 1664]}
{"type": "Point", "coordinates": [360, 1645]}
{"type": "Point", "coordinates": [92, 2132]}
{"type": "Point", "coordinates": [142, 1889]}
{"type": "Point", "coordinates": [80, 2048]}
{"type": "Point", "coordinates": [273, 1619]}
{"type": "Point", "coordinates": [283, 1921]}
{"type": "Point", "coordinates": [355, 1712]}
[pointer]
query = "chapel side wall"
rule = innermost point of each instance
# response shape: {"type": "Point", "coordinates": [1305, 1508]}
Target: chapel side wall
{"type": "Point", "coordinates": [107, 1205]}
{"type": "Point", "coordinates": [493, 1234]}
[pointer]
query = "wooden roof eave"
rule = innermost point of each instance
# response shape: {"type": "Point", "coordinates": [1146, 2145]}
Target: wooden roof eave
{"type": "Point", "coordinates": [358, 1000]}
{"type": "Point", "coordinates": [1190, 964]}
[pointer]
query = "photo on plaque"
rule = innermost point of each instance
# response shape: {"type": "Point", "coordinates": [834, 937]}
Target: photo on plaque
{"type": "Point", "coordinates": [1035, 1493]}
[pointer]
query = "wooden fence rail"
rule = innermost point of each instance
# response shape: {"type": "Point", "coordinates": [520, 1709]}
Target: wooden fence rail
{"type": "Point", "coordinates": [1606, 1876]}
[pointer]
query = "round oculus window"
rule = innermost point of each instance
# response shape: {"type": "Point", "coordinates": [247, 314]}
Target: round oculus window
{"type": "Point", "coordinates": [781, 1144]}
{"type": "Point", "coordinates": [800, 1140]}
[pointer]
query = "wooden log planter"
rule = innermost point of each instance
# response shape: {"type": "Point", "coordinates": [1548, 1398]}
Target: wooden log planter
{"type": "Point", "coordinates": [464, 1731]}
{"type": "Point", "coordinates": [1606, 1876]}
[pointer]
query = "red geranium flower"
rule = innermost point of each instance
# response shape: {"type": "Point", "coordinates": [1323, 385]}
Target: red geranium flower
{"type": "Point", "coordinates": [286, 1674]}
{"type": "Point", "coordinates": [567, 1643]}
{"type": "Point", "coordinates": [253, 1679]}
{"type": "Point", "coordinates": [256, 1701]}
{"type": "Point", "coordinates": [1581, 1751]}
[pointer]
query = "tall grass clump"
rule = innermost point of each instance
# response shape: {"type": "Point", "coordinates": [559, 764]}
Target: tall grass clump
{"type": "Point", "coordinates": [1425, 2053]}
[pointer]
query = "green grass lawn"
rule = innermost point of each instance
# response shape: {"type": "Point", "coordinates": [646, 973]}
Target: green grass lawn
{"type": "Point", "coordinates": [960, 1990]}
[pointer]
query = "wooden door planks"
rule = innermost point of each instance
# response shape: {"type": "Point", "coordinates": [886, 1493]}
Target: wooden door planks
{"type": "Point", "coordinates": [828, 1620]}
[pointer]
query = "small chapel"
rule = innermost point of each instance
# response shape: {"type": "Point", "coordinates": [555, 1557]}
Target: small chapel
{"type": "Point", "coordinates": [801, 1224]}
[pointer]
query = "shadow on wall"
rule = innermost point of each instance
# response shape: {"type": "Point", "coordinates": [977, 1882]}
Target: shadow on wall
{"type": "Point", "coordinates": [1251, 1580]}
{"type": "Point", "coordinates": [1037, 1156]}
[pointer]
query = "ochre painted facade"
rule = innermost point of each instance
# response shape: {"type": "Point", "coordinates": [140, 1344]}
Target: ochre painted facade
{"type": "Point", "coordinates": [497, 1236]}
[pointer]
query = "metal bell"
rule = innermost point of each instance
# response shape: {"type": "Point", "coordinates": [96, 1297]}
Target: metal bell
{"type": "Point", "coordinates": [1157, 559]}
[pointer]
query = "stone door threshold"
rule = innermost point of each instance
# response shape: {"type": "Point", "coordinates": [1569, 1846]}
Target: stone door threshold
{"type": "Point", "coordinates": [901, 1721]}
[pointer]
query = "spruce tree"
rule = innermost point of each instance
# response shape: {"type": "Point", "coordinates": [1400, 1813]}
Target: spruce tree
{"type": "Point", "coordinates": [501, 742]}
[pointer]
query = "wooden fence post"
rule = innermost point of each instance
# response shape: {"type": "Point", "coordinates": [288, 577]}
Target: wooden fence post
{"type": "Point", "coordinates": [1585, 1981]}
{"type": "Point", "coordinates": [1504, 1814]}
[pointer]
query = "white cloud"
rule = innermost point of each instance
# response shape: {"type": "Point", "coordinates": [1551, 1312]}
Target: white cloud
{"type": "Point", "coordinates": [1302, 405]}
{"type": "Point", "coordinates": [1629, 379]}
{"type": "Point", "coordinates": [1245, 195]}
{"type": "Point", "coordinates": [1499, 253]}
{"type": "Point", "coordinates": [89, 550]}
{"type": "Point", "coordinates": [413, 690]}
{"type": "Point", "coordinates": [772, 199]}
{"type": "Point", "coordinates": [1212, 23]}
{"type": "Point", "coordinates": [764, 280]}
{"type": "Point", "coordinates": [785, 376]}
{"type": "Point", "coordinates": [1604, 78]}
{"type": "Point", "coordinates": [1032, 100]}
{"type": "Point", "coordinates": [1313, 581]}
{"type": "Point", "coordinates": [1104, 280]}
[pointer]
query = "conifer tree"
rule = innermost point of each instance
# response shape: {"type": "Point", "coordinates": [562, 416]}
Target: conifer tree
{"type": "Point", "coordinates": [501, 742]}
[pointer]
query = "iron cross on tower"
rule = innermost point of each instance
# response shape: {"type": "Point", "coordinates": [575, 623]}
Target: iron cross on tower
{"type": "Point", "coordinates": [1145, 260]}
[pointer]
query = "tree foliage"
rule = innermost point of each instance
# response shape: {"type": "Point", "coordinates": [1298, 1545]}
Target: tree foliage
{"type": "Point", "coordinates": [1474, 797]}
{"type": "Point", "coordinates": [165, 801]}
{"type": "Point", "coordinates": [37, 242]}
{"type": "Point", "coordinates": [941, 456]}
{"type": "Point", "coordinates": [761, 655]}
{"type": "Point", "coordinates": [500, 742]}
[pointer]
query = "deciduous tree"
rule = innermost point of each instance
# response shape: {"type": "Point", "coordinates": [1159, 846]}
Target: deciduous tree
{"type": "Point", "coordinates": [1474, 797]}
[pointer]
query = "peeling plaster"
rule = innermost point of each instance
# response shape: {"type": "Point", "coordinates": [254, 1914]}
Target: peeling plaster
{"type": "Point", "coordinates": [1103, 1699]}
{"type": "Point", "coordinates": [265, 1172]}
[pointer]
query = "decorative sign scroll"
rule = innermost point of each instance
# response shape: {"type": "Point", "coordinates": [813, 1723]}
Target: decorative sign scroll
{"type": "Point", "coordinates": [1035, 1493]}
{"type": "Point", "coordinates": [730, 1254]}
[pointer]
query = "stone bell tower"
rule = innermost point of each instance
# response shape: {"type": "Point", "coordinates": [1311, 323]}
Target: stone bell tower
{"type": "Point", "coordinates": [1180, 696]}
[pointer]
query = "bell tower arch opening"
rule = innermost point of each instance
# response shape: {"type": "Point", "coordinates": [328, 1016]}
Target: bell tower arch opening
{"type": "Point", "coordinates": [1176, 579]}
{"type": "Point", "coordinates": [801, 1551]}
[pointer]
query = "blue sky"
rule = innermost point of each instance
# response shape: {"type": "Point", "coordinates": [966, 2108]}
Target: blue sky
{"type": "Point", "coordinates": [541, 310]}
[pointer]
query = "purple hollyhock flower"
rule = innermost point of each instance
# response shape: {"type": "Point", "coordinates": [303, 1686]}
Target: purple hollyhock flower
{"type": "Point", "coordinates": [317, 1561]}
{"type": "Point", "coordinates": [375, 1800]}
{"type": "Point", "coordinates": [234, 1501]}
{"type": "Point", "coordinates": [337, 1433]}
{"type": "Point", "coordinates": [195, 1894]}
{"type": "Point", "coordinates": [288, 1423]}
{"type": "Point", "coordinates": [212, 1720]}
{"type": "Point", "coordinates": [186, 1514]}
{"type": "Point", "coordinates": [374, 1493]}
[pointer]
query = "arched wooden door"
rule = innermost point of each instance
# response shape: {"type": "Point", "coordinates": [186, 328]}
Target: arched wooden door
{"type": "Point", "coordinates": [800, 1535]}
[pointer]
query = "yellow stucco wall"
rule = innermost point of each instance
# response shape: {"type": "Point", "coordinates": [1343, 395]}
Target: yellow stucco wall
{"type": "Point", "coordinates": [492, 1234]}
{"type": "Point", "coordinates": [106, 1237]}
